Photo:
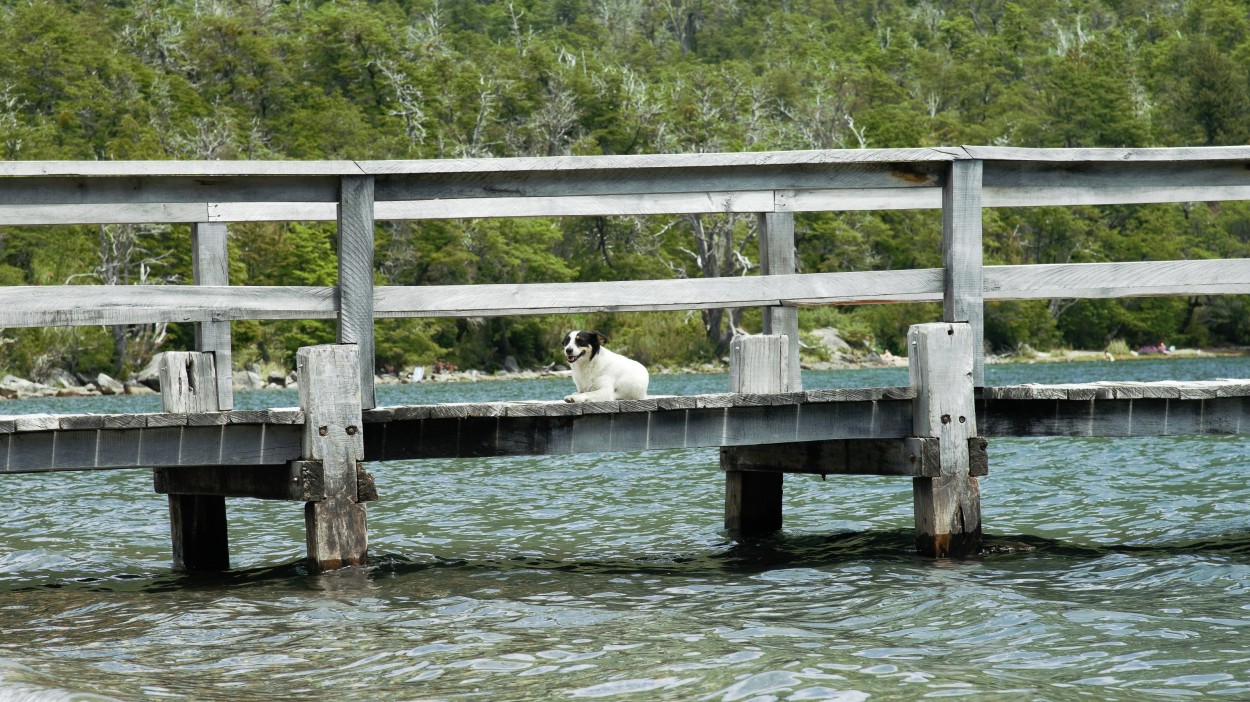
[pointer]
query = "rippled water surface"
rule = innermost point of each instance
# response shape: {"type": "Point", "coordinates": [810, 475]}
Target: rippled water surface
{"type": "Point", "coordinates": [1120, 569]}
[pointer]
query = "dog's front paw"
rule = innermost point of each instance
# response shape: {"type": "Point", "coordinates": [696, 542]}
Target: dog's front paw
{"type": "Point", "coordinates": [570, 398]}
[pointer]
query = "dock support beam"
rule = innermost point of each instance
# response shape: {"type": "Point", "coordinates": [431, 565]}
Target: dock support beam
{"type": "Point", "coordinates": [197, 522]}
{"type": "Point", "coordinates": [757, 364]}
{"type": "Point", "coordinates": [329, 393]}
{"type": "Point", "coordinates": [947, 507]}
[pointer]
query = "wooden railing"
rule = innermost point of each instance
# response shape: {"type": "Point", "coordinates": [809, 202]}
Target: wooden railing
{"type": "Point", "coordinates": [959, 180]}
{"type": "Point", "coordinates": [929, 431]}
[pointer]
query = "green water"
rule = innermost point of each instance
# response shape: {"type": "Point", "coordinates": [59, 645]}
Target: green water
{"type": "Point", "coordinates": [1122, 572]}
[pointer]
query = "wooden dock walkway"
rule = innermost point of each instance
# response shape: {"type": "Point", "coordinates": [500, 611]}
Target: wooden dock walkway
{"type": "Point", "coordinates": [936, 430]}
{"type": "Point", "coordinates": [74, 442]}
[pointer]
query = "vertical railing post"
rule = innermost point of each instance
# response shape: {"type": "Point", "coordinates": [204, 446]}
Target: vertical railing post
{"type": "Point", "coordinates": [964, 296]}
{"type": "Point", "coordinates": [329, 394]}
{"type": "Point", "coordinates": [948, 507]}
{"type": "Point", "coordinates": [355, 243]}
{"type": "Point", "coordinates": [753, 498]}
{"type": "Point", "coordinates": [210, 266]}
{"type": "Point", "coordinates": [197, 522]}
{"type": "Point", "coordinates": [776, 230]}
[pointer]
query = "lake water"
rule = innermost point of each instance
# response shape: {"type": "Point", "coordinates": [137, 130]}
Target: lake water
{"type": "Point", "coordinates": [1122, 572]}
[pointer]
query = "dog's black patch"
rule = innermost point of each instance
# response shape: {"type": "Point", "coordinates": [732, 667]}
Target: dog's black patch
{"type": "Point", "coordinates": [592, 340]}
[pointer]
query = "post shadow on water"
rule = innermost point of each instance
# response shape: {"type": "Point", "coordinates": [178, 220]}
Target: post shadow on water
{"type": "Point", "coordinates": [779, 551]}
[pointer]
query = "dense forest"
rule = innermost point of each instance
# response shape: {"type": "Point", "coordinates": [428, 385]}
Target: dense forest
{"type": "Point", "coordinates": [405, 79]}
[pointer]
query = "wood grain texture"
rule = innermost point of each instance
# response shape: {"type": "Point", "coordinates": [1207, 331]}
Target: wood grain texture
{"type": "Point", "coordinates": [265, 482]}
{"type": "Point", "coordinates": [947, 507]}
{"type": "Point", "coordinates": [355, 286]}
{"type": "Point", "coordinates": [758, 366]}
{"type": "Point", "coordinates": [777, 257]}
{"type": "Point", "coordinates": [1124, 156]}
{"type": "Point", "coordinates": [1122, 416]}
{"type": "Point", "coordinates": [921, 285]}
{"type": "Point", "coordinates": [710, 202]}
{"type": "Point", "coordinates": [909, 457]}
{"type": "Point", "coordinates": [89, 305]}
{"type": "Point", "coordinates": [1111, 280]}
{"type": "Point", "coordinates": [692, 178]}
{"type": "Point", "coordinates": [210, 265]}
{"type": "Point", "coordinates": [963, 287]}
{"type": "Point", "coordinates": [1151, 178]}
{"type": "Point", "coordinates": [329, 391]}
{"type": "Point", "coordinates": [188, 382]}
{"type": "Point", "coordinates": [189, 192]}
{"type": "Point", "coordinates": [197, 520]}
{"type": "Point", "coordinates": [92, 304]}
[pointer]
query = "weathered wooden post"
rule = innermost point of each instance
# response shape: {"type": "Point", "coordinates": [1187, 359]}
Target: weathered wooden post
{"type": "Point", "coordinates": [964, 296]}
{"type": "Point", "coordinates": [776, 231]}
{"type": "Point", "coordinates": [355, 240]}
{"type": "Point", "coordinates": [757, 364]}
{"type": "Point", "coordinates": [763, 364]}
{"type": "Point", "coordinates": [210, 266]}
{"type": "Point", "coordinates": [948, 507]}
{"type": "Point", "coordinates": [197, 522]}
{"type": "Point", "coordinates": [329, 393]}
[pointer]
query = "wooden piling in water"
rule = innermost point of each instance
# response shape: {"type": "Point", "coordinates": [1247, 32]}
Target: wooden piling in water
{"type": "Point", "coordinates": [757, 365]}
{"type": "Point", "coordinates": [947, 507]}
{"type": "Point", "coordinates": [329, 392]}
{"type": "Point", "coordinates": [197, 522]}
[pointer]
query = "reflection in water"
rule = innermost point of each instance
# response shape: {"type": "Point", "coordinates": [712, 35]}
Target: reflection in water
{"type": "Point", "coordinates": [1120, 570]}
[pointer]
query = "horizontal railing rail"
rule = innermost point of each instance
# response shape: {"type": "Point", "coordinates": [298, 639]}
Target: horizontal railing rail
{"type": "Point", "coordinates": [111, 192]}
{"type": "Point", "coordinates": [32, 306]}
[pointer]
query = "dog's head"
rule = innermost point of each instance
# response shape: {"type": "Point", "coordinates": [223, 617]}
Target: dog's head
{"type": "Point", "coordinates": [582, 344]}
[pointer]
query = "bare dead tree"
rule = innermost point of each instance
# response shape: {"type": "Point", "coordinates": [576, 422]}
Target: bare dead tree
{"type": "Point", "coordinates": [10, 106]}
{"type": "Point", "coordinates": [717, 255]}
{"type": "Point", "coordinates": [554, 123]}
{"type": "Point", "coordinates": [125, 260]}
{"type": "Point", "coordinates": [408, 101]}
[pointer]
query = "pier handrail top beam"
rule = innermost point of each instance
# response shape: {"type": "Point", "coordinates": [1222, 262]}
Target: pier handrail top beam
{"type": "Point", "coordinates": [119, 192]}
{"type": "Point", "coordinates": [174, 169]}
{"type": "Point", "coordinates": [1125, 156]}
{"type": "Point", "coordinates": [475, 165]}
{"type": "Point", "coordinates": [19, 169]}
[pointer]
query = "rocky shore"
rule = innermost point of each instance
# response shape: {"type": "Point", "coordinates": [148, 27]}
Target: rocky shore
{"type": "Point", "coordinates": [62, 383]}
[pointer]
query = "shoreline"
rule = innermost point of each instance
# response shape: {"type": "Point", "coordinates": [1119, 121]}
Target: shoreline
{"type": "Point", "coordinates": [1072, 356]}
{"type": "Point", "coordinates": [15, 388]}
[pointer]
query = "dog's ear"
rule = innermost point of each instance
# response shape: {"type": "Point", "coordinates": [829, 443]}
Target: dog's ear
{"type": "Point", "coordinates": [603, 340]}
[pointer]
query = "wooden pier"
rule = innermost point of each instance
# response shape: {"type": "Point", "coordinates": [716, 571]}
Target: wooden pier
{"type": "Point", "coordinates": [938, 430]}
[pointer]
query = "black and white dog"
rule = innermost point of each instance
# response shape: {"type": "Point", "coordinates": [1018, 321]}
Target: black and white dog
{"type": "Point", "coordinates": [600, 374]}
